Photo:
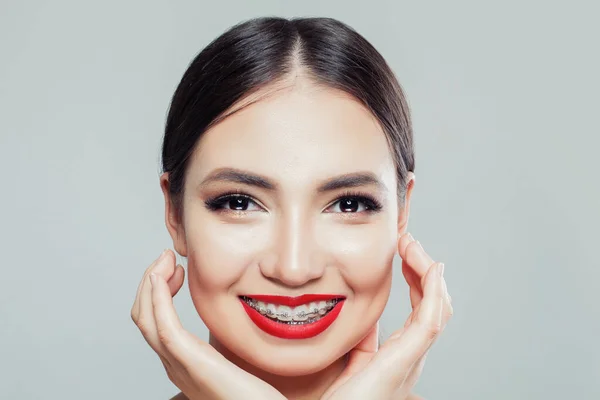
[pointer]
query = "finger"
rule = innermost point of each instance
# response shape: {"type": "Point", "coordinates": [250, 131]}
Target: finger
{"type": "Point", "coordinates": [201, 361]}
{"type": "Point", "coordinates": [449, 311]}
{"type": "Point", "coordinates": [163, 266]}
{"type": "Point", "coordinates": [414, 284]}
{"type": "Point", "coordinates": [135, 309]}
{"type": "Point", "coordinates": [415, 264]}
{"type": "Point", "coordinates": [448, 298]}
{"type": "Point", "coordinates": [204, 365]}
{"type": "Point", "coordinates": [411, 380]}
{"type": "Point", "coordinates": [405, 348]}
{"type": "Point", "coordinates": [146, 322]}
{"type": "Point", "coordinates": [403, 242]}
{"type": "Point", "coordinates": [178, 345]}
{"type": "Point", "coordinates": [176, 281]}
{"type": "Point", "coordinates": [413, 280]}
{"type": "Point", "coordinates": [418, 259]}
{"type": "Point", "coordinates": [168, 326]}
{"type": "Point", "coordinates": [431, 310]}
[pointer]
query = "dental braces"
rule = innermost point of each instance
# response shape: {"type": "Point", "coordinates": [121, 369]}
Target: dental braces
{"type": "Point", "coordinates": [312, 313]}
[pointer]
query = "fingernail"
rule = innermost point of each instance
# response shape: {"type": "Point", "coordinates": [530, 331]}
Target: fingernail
{"type": "Point", "coordinates": [152, 278]}
{"type": "Point", "coordinates": [410, 237]}
{"type": "Point", "coordinates": [420, 245]}
{"type": "Point", "coordinates": [441, 269]}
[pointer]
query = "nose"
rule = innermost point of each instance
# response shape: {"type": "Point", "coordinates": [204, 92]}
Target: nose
{"type": "Point", "coordinates": [294, 257]}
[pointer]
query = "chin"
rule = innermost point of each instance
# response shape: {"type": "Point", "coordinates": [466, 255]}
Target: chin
{"type": "Point", "coordinates": [290, 361]}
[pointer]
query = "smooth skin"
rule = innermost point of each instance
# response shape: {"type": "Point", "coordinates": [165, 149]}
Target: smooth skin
{"type": "Point", "coordinates": [299, 139]}
{"type": "Point", "coordinates": [389, 372]}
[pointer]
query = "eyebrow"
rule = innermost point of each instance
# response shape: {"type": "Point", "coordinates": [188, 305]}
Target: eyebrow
{"type": "Point", "coordinates": [350, 180]}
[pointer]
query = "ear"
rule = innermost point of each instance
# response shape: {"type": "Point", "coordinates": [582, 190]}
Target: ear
{"type": "Point", "coordinates": [404, 212]}
{"type": "Point", "coordinates": [172, 220]}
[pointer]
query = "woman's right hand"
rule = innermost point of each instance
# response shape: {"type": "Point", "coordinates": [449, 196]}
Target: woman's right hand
{"type": "Point", "coordinates": [193, 365]}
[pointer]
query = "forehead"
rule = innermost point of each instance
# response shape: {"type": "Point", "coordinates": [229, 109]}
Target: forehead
{"type": "Point", "coordinates": [297, 135]}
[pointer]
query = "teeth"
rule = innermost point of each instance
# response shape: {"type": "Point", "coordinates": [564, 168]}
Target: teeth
{"type": "Point", "coordinates": [262, 308]}
{"type": "Point", "coordinates": [313, 309]}
{"type": "Point", "coordinates": [301, 313]}
{"type": "Point", "coordinates": [306, 313]}
{"type": "Point", "coordinates": [271, 310]}
{"type": "Point", "coordinates": [284, 313]}
{"type": "Point", "coordinates": [323, 307]}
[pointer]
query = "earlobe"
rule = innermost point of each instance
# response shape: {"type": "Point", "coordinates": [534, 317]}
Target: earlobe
{"type": "Point", "coordinates": [404, 210]}
{"type": "Point", "coordinates": [174, 226]}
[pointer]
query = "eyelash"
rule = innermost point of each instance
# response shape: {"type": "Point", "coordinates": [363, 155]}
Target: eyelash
{"type": "Point", "coordinates": [372, 204]}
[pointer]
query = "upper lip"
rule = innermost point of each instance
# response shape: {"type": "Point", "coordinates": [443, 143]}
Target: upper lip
{"type": "Point", "coordinates": [294, 301]}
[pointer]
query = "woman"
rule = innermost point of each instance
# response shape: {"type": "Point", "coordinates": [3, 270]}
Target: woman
{"type": "Point", "coordinates": [288, 170]}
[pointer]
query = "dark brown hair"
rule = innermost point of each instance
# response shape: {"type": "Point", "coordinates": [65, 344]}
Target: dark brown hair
{"type": "Point", "coordinates": [263, 51]}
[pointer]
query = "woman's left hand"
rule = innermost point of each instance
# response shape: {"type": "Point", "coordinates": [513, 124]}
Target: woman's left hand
{"type": "Point", "coordinates": [392, 371]}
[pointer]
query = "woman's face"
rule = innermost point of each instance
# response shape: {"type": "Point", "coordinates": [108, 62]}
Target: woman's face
{"type": "Point", "coordinates": [319, 215]}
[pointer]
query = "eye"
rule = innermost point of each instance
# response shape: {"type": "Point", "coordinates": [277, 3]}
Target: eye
{"type": "Point", "coordinates": [356, 204]}
{"type": "Point", "coordinates": [233, 202]}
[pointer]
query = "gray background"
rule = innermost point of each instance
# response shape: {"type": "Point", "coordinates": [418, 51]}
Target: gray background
{"type": "Point", "coordinates": [504, 97]}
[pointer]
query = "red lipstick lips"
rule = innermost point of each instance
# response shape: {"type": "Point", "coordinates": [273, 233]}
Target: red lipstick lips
{"type": "Point", "coordinates": [283, 330]}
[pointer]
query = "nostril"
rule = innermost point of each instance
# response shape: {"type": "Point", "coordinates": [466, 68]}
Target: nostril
{"type": "Point", "coordinates": [291, 270]}
{"type": "Point", "coordinates": [291, 280]}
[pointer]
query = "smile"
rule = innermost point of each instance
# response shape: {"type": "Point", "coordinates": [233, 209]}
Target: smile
{"type": "Point", "coordinates": [293, 317]}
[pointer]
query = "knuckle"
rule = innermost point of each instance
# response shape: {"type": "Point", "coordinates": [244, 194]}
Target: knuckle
{"type": "Point", "coordinates": [433, 329]}
{"type": "Point", "coordinates": [165, 336]}
{"type": "Point", "coordinates": [143, 325]}
{"type": "Point", "coordinates": [170, 375]}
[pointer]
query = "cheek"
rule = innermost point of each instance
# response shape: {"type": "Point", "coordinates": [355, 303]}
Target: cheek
{"type": "Point", "coordinates": [218, 253]}
{"type": "Point", "coordinates": [363, 253]}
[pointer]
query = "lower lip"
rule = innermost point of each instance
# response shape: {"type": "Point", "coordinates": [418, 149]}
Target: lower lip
{"type": "Point", "coordinates": [287, 331]}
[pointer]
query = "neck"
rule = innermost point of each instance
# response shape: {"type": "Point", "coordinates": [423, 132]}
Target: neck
{"type": "Point", "coordinates": [305, 387]}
